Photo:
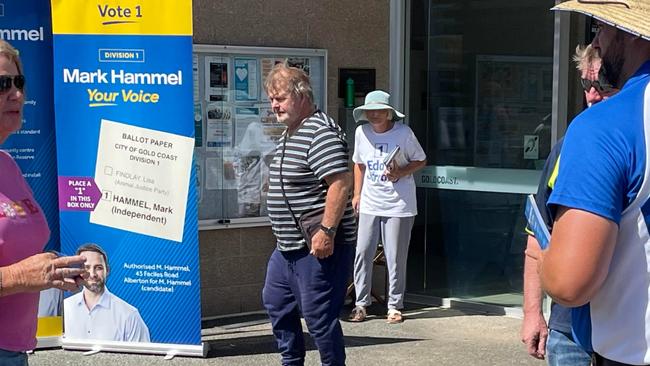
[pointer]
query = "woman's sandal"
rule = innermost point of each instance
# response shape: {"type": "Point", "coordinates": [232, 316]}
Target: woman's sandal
{"type": "Point", "coordinates": [394, 317]}
{"type": "Point", "coordinates": [358, 314]}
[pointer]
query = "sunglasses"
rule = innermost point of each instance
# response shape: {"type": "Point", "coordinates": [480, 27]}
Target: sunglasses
{"type": "Point", "coordinates": [601, 85]}
{"type": "Point", "coordinates": [7, 80]}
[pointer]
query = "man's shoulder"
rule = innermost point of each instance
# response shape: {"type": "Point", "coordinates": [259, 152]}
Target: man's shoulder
{"type": "Point", "coordinates": [321, 117]}
{"type": "Point", "coordinates": [618, 110]}
{"type": "Point", "coordinates": [122, 305]}
{"type": "Point", "coordinates": [617, 120]}
{"type": "Point", "coordinates": [319, 120]}
{"type": "Point", "coordinates": [73, 299]}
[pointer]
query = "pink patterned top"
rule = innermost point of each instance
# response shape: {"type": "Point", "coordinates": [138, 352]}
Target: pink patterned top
{"type": "Point", "coordinates": [23, 233]}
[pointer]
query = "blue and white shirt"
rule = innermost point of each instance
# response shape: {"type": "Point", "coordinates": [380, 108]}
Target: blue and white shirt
{"type": "Point", "coordinates": [111, 319]}
{"type": "Point", "coordinates": [604, 170]}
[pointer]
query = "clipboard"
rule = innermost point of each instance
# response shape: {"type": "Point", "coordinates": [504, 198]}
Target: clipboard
{"type": "Point", "coordinates": [395, 156]}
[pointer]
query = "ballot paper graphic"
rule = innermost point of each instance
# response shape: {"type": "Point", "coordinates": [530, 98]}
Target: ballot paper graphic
{"type": "Point", "coordinates": [536, 223]}
{"type": "Point", "coordinates": [144, 176]}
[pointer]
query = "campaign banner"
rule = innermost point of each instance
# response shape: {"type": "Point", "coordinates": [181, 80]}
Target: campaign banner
{"type": "Point", "coordinates": [27, 26]}
{"type": "Point", "coordinates": [125, 138]}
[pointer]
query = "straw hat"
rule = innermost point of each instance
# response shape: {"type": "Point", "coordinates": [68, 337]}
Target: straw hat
{"type": "Point", "coordinates": [376, 100]}
{"type": "Point", "coordinates": [632, 16]}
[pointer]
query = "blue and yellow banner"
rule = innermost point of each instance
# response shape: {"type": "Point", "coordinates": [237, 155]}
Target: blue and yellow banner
{"type": "Point", "coordinates": [125, 17]}
{"type": "Point", "coordinates": [27, 26]}
{"type": "Point", "coordinates": [125, 137]}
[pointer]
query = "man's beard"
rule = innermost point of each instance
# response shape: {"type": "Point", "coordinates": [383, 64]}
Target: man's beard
{"type": "Point", "coordinates": [612, 62]}
{"type": "Point", "coordinates": [611, 69]}
{"type": "Point", "coordinates": [97, 287]}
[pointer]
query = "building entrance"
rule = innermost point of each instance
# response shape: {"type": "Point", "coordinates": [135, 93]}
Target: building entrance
{"type": "Point", "coordinates": [479, 96]}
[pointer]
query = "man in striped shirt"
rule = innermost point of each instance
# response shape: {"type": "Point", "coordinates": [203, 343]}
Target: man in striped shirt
{"type": "Point", "coordinates": [310, 171]}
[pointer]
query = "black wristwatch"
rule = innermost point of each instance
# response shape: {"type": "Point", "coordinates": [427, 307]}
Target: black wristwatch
{"type": "Point", "coordinates": [330, 231]}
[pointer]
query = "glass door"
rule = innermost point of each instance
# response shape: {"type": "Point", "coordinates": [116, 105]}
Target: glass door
{"type": "Point", "coordinates": [480, 77]}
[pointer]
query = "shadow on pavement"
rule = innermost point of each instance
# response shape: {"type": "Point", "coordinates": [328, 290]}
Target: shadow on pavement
{"type": "Point", "coordinates": [245, 346]}
{"type": "Point", "coordinates": [375, 311]}
{"type": "Point", "coordinates": [237, 321]}
{"type": "Point", "coordinates": [244, 338]}
{"type": "Point", "coordinates": [415, 311]}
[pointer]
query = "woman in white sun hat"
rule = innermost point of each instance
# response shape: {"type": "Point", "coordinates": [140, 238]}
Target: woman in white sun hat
{"type": "Point", "coordinates": [384, 198]}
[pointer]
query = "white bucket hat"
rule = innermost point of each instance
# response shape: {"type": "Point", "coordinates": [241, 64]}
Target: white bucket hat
{"type": "Point", "coordinates": [632, 16]}
{"type": "Point", "coordinates": [376, 100]}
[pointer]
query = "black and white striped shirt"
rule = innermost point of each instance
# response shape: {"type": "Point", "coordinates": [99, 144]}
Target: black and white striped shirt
{"type": "Point", "coordinates": [314, 151]}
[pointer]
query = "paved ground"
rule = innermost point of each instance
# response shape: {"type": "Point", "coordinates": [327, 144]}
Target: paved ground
{"type": "Point", "coordinates": [429, 336]}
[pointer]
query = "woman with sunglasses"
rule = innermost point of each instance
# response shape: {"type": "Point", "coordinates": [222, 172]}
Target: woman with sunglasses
{"type": "Point", "coordinates": [592, 77]}
{"type": "Point", "coordinates": [24, 269]}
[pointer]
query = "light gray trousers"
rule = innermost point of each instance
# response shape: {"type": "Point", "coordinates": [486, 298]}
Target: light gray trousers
{"type": "Point", "coordinates": [396, 236]}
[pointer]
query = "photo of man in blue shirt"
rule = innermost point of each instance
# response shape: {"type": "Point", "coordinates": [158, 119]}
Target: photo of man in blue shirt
{"type": "Point", "coordinates": [95, 313]}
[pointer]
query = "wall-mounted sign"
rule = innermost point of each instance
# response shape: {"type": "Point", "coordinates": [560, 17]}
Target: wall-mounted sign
{"type": "Point", "coordinates": [463, 178]}
{"type": "Point", "coordinates": [364, 81]}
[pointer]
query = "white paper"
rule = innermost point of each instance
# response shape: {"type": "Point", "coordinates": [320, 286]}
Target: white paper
{"type": "Point", "coordinates": [144, 177]}
{"type": "Point", "coordinates": [219, 128]}
{"type": "Point", "coordinates": [270, 125]}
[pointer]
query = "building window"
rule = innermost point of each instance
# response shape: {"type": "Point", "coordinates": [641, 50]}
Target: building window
{"type": "Point", "coordinates": [236, 131]}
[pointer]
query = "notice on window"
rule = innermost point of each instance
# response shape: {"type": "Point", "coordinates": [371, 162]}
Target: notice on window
{"type": "Point", "coordinates": [217, 81]}
{"type": "Point", "coordinates": [143, 177]}
{"type": "Point", "coordinates": [246, 87]}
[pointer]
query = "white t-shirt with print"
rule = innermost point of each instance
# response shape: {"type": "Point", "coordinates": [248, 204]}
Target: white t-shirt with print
{"type": "Point", "coordinates": [379, 196]}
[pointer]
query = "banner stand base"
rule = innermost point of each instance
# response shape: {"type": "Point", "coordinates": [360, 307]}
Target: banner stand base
{"type": "Point", "coordinates": [48, 342]}
{"type": "Point", "coordinates": [167, 349]}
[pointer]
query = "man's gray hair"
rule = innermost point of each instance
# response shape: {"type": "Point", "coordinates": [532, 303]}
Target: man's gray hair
{"type": "Point", "coordinates": [285, 78]}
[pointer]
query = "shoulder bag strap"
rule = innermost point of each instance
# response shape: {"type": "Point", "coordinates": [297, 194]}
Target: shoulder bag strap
{"type": "Point", "coordinates": [284, 194]}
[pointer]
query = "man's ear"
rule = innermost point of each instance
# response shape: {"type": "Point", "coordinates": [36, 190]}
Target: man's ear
{"type": "Point", "coordinates": [304, 102]}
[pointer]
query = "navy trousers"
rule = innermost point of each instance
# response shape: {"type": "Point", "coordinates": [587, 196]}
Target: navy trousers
{"type": "Point", "coordinates": [299, 283]}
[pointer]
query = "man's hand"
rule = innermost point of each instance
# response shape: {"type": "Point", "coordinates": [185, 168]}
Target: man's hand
{"type": "Point", "coordinates": [43, 271]}
{"type": "Point", "coordinates": [534, 333]}
{"type": "Point", "coordinates": [322, 245]}
{"type": "Point", "coordinates": [534, 330]}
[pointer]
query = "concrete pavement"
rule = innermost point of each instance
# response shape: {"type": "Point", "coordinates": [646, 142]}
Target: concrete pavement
{"type": "Point", "coordinates": [428, 336]}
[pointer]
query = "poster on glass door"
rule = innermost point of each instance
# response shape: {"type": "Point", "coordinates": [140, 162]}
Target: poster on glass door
{"type": "Point", "coordinates": [127, 198]}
